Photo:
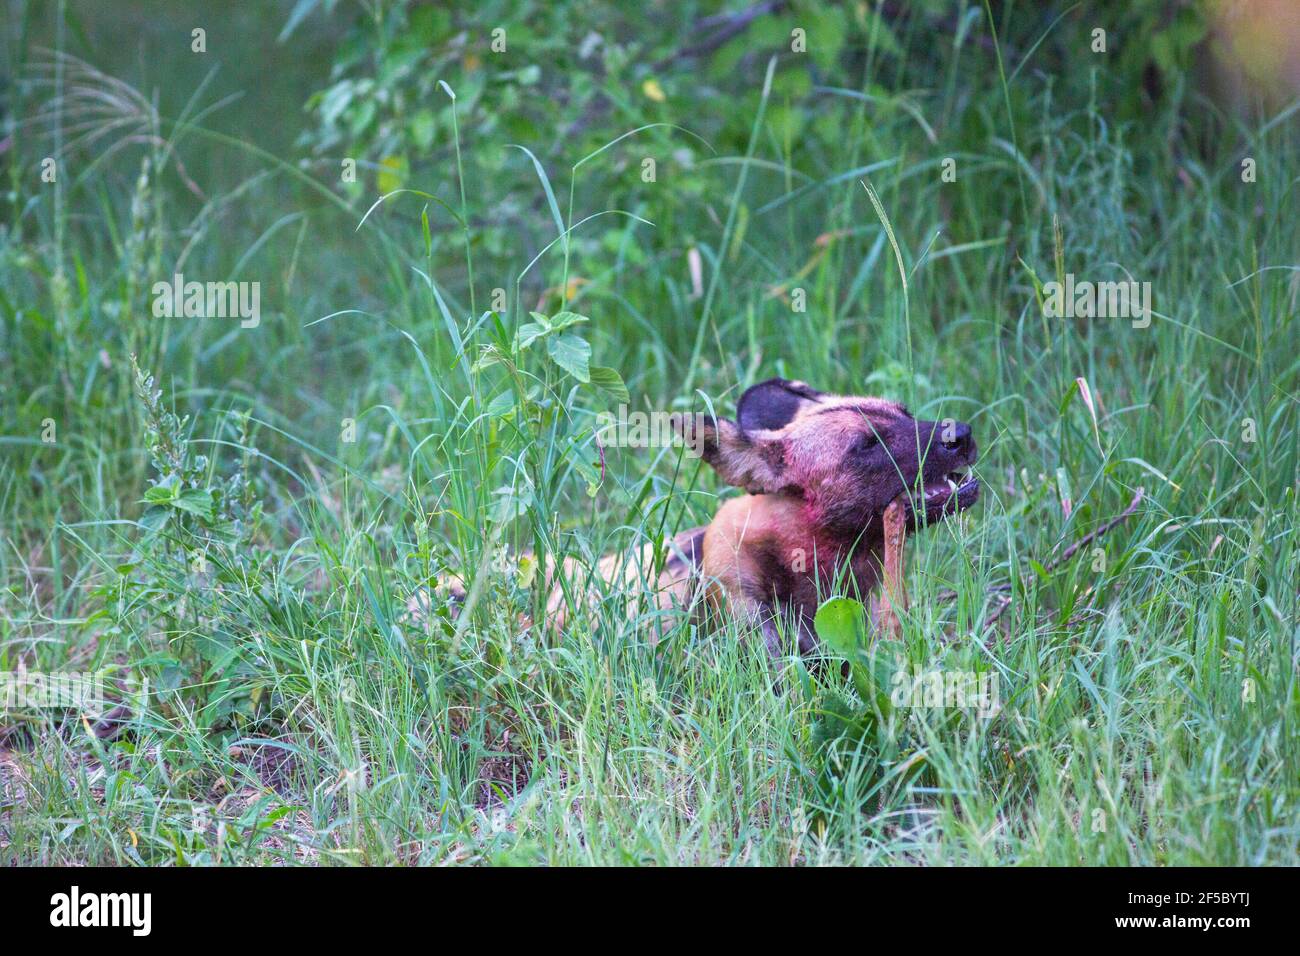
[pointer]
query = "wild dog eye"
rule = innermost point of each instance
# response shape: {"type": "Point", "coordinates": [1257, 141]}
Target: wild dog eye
{"type": "Point", "coordinates": [865, 442]}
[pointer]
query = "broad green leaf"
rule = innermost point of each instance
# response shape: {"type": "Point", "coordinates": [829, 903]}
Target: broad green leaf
{"type": "Point", "coordinates": [608, 380]}
{"type": "Point", "coordinates": [154, 517]}
{"type": "Point", "coordinates": [529, 333]}
{"type": "Point", "coordinates": [579, 456]}
{"type": "Point", "coordinates": [571, 353]}
{"type": "Point", "coordinates": [840, 624]}
{"type": "Point", "coordinates": [502, 405]}
{"type": "Point", "coordinates": [197, 501]}
{"type": "Point", "coordinates": [562, 320]}
{"type": "Point", "coordinates": [160, 494]}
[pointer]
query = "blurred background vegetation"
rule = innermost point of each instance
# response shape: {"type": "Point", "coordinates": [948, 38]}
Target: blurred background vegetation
{"type": "Point", "coordinates": [247, 142]}
{"type": "Point", "coordinates": [307, 84]}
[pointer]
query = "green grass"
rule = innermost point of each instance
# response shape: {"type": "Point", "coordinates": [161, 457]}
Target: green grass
{"type": "Point", "coordinates": [286, 708]}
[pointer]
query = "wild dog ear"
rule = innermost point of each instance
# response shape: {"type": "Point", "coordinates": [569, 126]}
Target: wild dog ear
{"type": "Point", "coordinates": [749, 462]}
{"type": "Point", "coordinates": [771, 405]}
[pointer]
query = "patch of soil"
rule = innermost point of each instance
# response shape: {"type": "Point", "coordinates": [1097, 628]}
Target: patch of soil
{"type": "Point", "coordinates": [274, 762]}
{"type": "Point", "coordinates": [504, 774]}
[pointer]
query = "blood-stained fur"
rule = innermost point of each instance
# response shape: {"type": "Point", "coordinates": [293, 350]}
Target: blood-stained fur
{"type": "Point", "coordinates": [818, 470]}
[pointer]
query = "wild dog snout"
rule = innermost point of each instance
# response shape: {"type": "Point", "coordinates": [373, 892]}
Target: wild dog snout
{"type": "Point", "coordinates": [958, 440]}
{"type": "Point", "coordinates": [947, 443]}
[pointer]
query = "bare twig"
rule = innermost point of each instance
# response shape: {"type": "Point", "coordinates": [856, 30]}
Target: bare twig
{"type": "Point", "coordinates": [945, 597]}
{"type": "Point", "coordinates": [112, 723]}
{"type": "Point", "coordinates": [893, 592]}
{"type": "Point", "coordinates": [1066, 555]}
{"type": "Point", "coordinates": [993, 618]}
{"type": "Point", "coordinates": [1091, 536]}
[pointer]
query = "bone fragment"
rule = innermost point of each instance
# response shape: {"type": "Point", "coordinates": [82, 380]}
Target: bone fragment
{"type": "Point", "coordinates": [893, 591]}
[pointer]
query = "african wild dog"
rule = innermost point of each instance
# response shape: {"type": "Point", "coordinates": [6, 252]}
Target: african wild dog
{"type": "Point", "coordinates": [820, 473]}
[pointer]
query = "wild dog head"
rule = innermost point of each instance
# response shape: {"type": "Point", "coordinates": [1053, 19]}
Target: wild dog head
{"type": "Point", "coordinates": [846, 456]}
